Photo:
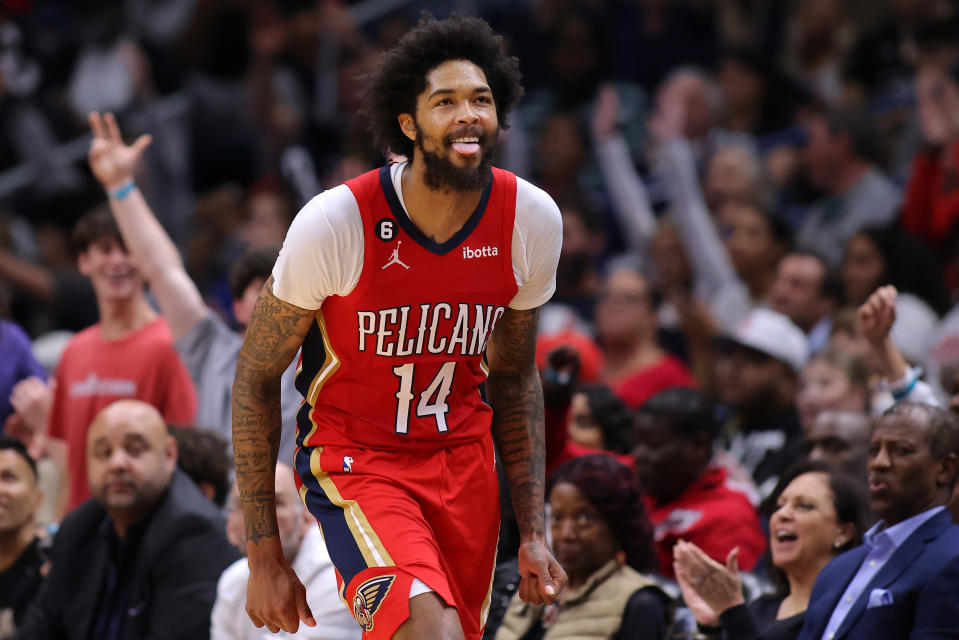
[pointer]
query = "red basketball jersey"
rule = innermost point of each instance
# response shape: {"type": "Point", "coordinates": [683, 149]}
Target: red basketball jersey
{"type": "Point", "coordinates": [398, 362]}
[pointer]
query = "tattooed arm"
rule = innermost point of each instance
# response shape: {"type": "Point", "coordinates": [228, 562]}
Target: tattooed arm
{"type": "Point", "coordinates": [275, 597]}
{"type": "Point", "coordinates": [516, 395]}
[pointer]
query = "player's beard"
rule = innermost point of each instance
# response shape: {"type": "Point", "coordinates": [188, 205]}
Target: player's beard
{"type": "Point", "coordinates": [441, 174]}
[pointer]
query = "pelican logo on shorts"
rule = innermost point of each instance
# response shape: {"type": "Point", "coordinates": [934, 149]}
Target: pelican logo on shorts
{"type": "Point", "coordinates": [347, 464]}
{"type": "Point", "coordinates": [369, 597]}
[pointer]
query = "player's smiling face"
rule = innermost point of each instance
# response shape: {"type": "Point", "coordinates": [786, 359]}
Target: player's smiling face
{"type": "Point", "coordinates": [455, 126]}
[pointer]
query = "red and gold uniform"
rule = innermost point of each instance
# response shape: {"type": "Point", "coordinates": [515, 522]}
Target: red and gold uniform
{"type": "Point", "coordinates": [395, 455]}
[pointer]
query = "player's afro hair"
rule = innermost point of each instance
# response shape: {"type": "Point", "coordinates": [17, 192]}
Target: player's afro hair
{"type": "Point", "coordinates": [400, 75]}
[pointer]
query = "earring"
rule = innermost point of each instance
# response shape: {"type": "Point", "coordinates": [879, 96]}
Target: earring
{"type": "Point", "coordinates": [837, 544]}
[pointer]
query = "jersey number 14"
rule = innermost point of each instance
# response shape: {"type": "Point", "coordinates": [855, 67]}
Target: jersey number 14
{"type": "Point", "coordinates": [432, 399]}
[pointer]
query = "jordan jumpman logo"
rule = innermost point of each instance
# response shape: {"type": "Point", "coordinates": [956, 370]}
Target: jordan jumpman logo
{"type": "Point", "coordinates": [395, 258]}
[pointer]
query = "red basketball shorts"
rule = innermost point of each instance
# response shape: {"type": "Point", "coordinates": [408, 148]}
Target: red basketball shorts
{"type": "Point", "coordinates": [391, 516]}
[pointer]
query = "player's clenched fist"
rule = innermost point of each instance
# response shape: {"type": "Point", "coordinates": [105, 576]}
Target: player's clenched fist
{"type": "Point", "coordinates": [275, 597]}
{"type": "Point", "coordinates": [541, 577]}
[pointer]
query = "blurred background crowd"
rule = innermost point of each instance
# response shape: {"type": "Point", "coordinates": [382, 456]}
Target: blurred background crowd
{"type": "Point", "coordinates": [760, 249]}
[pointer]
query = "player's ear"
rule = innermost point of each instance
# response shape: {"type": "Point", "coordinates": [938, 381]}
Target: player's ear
{"type": "Point", "coordinates": [407, 126]}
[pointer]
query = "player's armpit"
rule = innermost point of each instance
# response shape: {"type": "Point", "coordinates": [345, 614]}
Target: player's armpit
{"type": "Point", "coordinates": [516, 395]}
{"type": "Point", "coordinates": [275, 332]}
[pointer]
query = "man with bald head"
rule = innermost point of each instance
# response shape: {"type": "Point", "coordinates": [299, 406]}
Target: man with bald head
{"type": "Point", "coordinates": [142, 557]}
{"type": "Point", "coordinates": [902, 582]}
{"type": "Point", "coordinates": [304, 549]}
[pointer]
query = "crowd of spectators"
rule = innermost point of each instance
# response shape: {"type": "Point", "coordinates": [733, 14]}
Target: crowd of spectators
{"type": "Point", "coordinates": [754, 305]}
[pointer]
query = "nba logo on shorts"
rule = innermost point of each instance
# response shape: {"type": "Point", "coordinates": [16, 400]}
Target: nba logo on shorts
{"type": "Point", "coordinates": [347, 464]}
{"type": "Point", "coordinates": [369, 596]}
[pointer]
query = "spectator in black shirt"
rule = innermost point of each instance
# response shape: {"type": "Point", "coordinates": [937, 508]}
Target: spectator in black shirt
{"type": "Point", "coordinates": [142, 558]}
{"type": "Point", "coordinates": [21, 555]}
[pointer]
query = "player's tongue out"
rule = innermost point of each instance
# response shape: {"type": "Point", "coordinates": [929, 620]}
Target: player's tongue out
{"type": "Point", "coordinates": [468, 146]}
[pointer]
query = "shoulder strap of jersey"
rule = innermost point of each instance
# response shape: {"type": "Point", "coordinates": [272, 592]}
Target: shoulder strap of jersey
{"type": "Point", "coordinates": [364, 186]}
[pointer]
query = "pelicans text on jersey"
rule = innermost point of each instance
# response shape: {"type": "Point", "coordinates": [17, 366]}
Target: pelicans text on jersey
{"type": "Point", "coordinates": [398, 362]}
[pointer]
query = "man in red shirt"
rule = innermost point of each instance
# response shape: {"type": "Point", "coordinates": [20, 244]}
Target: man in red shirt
{"type": "Point", "coordinates": [128, 354]}
{"type": "Point", "coordinates": [626, 322]}
{"type": "Point", "coordinates": [931, 207]}
{"type": "Point", "coordinates": [686, 496]}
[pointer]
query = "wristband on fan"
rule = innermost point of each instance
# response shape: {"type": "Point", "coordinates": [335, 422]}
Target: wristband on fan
{"type": "Point", "coordinates": [899, 394]}
{"type": "Point", "coordinates": [123, 192]}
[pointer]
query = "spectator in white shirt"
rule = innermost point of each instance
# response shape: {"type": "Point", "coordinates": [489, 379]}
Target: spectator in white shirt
{"type": "Point", "coordinates": [306, 552]}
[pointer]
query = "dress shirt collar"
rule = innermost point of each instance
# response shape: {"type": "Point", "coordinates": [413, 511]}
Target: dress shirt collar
{"type": "Point", "coordinates": [897, 533]}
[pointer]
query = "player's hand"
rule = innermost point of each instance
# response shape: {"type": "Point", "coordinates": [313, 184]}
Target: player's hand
{"type": "Point", "coordinates": [275, 597]}
{"type": "Point", "coordinates": [541, 577]}
{"type": "Point", "coordinates": [877, 314]}
{"type": "Point", "coordinates": [112, 161]}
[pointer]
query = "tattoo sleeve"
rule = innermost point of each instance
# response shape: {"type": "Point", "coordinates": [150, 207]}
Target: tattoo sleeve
{"type": "Point", "coordinates": [275, 332]}
{"type": "Point", "coordinates": [516, 395]}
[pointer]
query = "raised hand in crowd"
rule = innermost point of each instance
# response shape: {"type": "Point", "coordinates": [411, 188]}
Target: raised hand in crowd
{"type": "Point", "coordinates": [876, 317]}
{"type": "Point", "coordinates": [605, 118]}
{"type": "Point", "coordinates": [113, 161]}
{"type": "Point", "coordinates": [560, 376]}
{"type": "Point", "coordinates": [706, 582]}
{"type": "Point", "coordinates": [669, 120]}
{"type": "Point", "coordinates": [31, 400]}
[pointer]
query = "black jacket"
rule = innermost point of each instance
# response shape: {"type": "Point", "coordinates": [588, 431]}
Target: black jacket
{"type": "Point", "coordinates": [183, 551]}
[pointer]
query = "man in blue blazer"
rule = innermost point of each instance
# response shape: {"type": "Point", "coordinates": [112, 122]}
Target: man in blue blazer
{"type": "Point", "coordinates": [904, 581]}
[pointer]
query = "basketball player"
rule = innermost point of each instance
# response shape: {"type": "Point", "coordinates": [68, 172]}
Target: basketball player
{"type": "Point", "coordinates": [395, 284]}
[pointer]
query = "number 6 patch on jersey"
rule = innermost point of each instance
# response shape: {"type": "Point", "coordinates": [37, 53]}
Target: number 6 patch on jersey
{"type": "Point", "coordinates": [385, 229]}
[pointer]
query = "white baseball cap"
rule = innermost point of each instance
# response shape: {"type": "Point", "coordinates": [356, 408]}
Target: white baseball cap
{"type": "Point", "coordinates": [774, 334]}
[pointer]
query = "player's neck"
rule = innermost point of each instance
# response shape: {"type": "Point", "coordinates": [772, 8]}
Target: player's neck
{"type": "Point", "coordinates": [120, 317]}
{"type": "Point", "coordinates": [438, 213]}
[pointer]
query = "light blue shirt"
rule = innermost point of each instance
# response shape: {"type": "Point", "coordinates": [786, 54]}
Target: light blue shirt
{"type": "Point", "coordinates": [882, 543]}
